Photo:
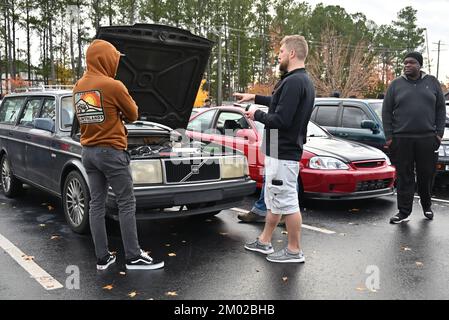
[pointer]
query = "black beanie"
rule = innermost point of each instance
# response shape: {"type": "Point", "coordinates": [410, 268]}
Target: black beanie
{"type": "Point", "coordinates": [415, 55]}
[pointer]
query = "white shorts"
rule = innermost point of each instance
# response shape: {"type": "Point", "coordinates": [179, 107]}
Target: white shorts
{"type": "Point", "coordinates": [281, 178]}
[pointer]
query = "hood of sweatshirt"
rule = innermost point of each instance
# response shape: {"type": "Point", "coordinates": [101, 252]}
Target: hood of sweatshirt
{"type": "Point", "coordinates": [162, 68]}
{"type": "Point", "coordinates": [102, 58]}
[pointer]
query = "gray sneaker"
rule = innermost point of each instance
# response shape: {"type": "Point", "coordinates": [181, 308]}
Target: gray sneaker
{"type": "Point", "coordinates": [285, 256]}
{"type": "Point", "coordinates": [259, 247]}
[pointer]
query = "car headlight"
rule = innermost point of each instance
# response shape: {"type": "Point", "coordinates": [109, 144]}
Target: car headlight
{"type": "Point", "coordinates": [233, 167]}
{"type": "Point", "coordinates": [443, 151]}
{"type": "Point", "coordinates": [146, 171]}
{"type": "Point", "coordinates": [327, 163]}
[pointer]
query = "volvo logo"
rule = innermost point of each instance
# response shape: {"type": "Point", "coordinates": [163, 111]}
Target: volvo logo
{"type": "Point", "coordinates": [195, 169]}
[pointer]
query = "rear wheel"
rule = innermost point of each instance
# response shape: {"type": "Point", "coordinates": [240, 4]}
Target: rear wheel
{"type": "Point", "coordinates": [11, 185]}
{"type": "Point", "coordinates": [75, 201]}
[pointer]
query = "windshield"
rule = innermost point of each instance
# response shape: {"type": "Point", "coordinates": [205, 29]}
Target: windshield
{"type": "Point", "coordinates": [377, 107]}
{"type": "Point", "coordinates": [313, 130]}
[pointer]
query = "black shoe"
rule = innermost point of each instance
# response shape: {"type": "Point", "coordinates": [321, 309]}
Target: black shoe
{"type": "Point", "coordinates": [143, 262]}
{"type": "Point", "coordinates": [250, 217]}
{"type": "Point", "coordinates": [106, 261]}
{"type": "Point", "coordinates": [428, 214]}
{"type": "Point", "coordinates": [400, 217]}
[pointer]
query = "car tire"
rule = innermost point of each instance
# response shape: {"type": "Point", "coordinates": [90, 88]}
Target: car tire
{"type": "Point", "coordinates": [75, 202]}
{"type": "Point", "coordinates": [10, 184]}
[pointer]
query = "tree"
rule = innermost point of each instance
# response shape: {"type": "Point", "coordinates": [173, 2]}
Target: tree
{"type": "Point", "coordinates": [338, 65]}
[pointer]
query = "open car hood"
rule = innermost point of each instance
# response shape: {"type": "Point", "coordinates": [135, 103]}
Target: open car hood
{"type": "Point", "coordinates": [162, 69]}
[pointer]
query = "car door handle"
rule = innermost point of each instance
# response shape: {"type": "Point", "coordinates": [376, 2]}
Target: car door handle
{"type": "Point", "coordinates": [28, 136]}
{"type": "Point", "coordinates": [343, 134]}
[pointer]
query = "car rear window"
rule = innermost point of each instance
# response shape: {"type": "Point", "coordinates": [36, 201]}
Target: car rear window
{"type": "Point", "coordinates": [10, 109]}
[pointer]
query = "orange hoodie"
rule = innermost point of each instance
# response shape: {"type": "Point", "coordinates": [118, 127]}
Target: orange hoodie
{"type": "Point", "coordinates": [99, 99]}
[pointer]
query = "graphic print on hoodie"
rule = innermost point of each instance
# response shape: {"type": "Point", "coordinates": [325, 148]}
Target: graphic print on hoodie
{"type": "Point", "coordinates": [89, 107]}
{"type": "Point", "coordinates": [101, 102]}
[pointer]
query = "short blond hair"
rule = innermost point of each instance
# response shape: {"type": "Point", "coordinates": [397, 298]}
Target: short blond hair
{"type": "Point", "coordinates": [297, 43]}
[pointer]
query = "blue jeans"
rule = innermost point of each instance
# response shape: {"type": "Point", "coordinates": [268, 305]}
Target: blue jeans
{"type": "Point", "coordinates": [259, 206]}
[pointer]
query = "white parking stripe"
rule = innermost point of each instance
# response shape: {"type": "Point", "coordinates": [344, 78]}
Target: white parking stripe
{"type": "Point", "coordinates": [436, 199]}
{"type": "Point", "coordinates": [305, 226]}
{"type": "Point", "coordinates": [26, 262]}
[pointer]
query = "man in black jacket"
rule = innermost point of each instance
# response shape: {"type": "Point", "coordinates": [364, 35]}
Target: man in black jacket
{"type": "Point", "coordinates": [413, 116]}
{"type": "Point", "coordinates": [290, 107]}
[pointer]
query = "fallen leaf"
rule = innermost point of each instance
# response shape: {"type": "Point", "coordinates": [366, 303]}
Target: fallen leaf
{"type": "Point", "coordinates": [405, 248]}
{"type": "Point", "coordinates": [361, 289]}
{"type": "Point", "coordinates": [354, 210]}
{"type": "Point", "coordinates": [28, 258]}
{"type": "Point", "coordinates": [284, 279]}
{"type": "Point", "coordinates": [284, 232]}
{"type": "Point", "coordinates": [108, 287]}
{"type": "Point", "coordinates": [42, 225]}
{"type": "Point", "coordinates": [223, 233]}
{"type": "Point", "coordinates": [50, 208]}
{"type": "Point", "coordinates": [55, 237]}
{"type": "Point", "coordinates": [342, 234]}
{"type": "Point", "coordinates": [419, 264]}
{"type": "Point", "coordinates": [171, 293]}
{"type": "Point", "coordinates": [122, 273]}
{"type": "Point", "coordinates": [279, 241]}
{"type": "Point", "coordinates": [183, 241]}
{"type": "Point", "coordinates": [132, 294]}
{"type": "Point", "coordinates": [167, 244]}
{"type": "Point", "coordinates": [172, 254]}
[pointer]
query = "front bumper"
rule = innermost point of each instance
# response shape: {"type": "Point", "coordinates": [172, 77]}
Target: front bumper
{"type": "Point", "coordinates": [171, 201]}
{"type": "Point", "coordinates": [350, 196]}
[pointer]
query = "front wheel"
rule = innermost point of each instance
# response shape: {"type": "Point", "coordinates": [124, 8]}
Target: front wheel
{"type": "Point", "coordinates": [11, 185]}
{"type": "Point", "coordinates": [75, 201]}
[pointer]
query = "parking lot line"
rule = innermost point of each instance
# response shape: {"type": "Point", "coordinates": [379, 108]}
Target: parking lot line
{"type": "Point", "coordinates": [27, 263]}
{"type": "Point", "coordinates": [305, 226]}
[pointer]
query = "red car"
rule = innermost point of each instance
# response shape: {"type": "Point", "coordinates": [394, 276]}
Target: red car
{"type": "Point", "coordinates": [330, 168]}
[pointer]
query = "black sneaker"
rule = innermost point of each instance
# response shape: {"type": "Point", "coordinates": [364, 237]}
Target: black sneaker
{"type": "Point", "coordinates": [106, 261]}
{"type": "Point", "coordinates": [428, 214]}
{"type": "Point", "coordinates": [400, 217]}
{"type": "Point", "coordinates": [143, 262]}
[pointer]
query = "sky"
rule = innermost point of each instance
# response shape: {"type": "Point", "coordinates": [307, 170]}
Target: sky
{"type": "Point", "coordinates": [432, 15]}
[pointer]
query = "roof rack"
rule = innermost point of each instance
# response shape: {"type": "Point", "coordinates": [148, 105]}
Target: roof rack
{"type": "Point", "coordinates": [43, 88]}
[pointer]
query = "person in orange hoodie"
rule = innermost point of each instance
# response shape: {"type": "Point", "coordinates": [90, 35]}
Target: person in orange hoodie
{"type": "Point", "coordinates": [102, 104]}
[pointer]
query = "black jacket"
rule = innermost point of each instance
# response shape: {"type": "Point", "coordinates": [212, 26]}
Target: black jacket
{"type": "Point", "coordinates": [414, 108]}
{"type": "Point", "coordinates": [290, 107]}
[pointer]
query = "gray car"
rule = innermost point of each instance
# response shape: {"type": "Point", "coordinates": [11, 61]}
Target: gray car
{"type": "Point", "coordinates": [173, 177]}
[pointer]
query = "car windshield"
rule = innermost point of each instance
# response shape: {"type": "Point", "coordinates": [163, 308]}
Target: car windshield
{"type": "Point", "coordinates": [377, 107]}
{"type": "Point", "coordinates": [313, 130]}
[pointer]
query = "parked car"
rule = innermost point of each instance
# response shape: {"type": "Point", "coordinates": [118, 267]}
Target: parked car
{"type": "Point", "coordinates": [330, 168]}
{"type": "Point", "coordinates": [443, 152]}
{"type": "Point", "coordinates": [162, 69]}
{"type": "Point", "coordinates": [353, 119]}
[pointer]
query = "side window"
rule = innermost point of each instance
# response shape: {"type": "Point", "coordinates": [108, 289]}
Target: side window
{"type": "Point", "coordinates": [67, 113]}
{"type": "Point", "coordinates": [312, 116]}
{"type": "Point", "coordinates": [48, 109]}
{"type": "Point", "coordinates": [327, 116]}
{"type": "Point", "coordinates": [10, 109]}
{"type": "Point", "coordinates": [229, 122]}
{"type": "Point", "coordinates": [202, 122]}
{"type": "Point", "coordinates": [352, 117]}
{"type": "Point", "coordinates": [31, 111]}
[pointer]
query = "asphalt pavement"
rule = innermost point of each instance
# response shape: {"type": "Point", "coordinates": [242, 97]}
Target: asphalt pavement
{"type": "Point", "coordinates": [351, 250]}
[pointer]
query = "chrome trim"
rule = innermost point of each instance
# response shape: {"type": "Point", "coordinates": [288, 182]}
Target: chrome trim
{"type": "Point", "coordinates": [172, 186]}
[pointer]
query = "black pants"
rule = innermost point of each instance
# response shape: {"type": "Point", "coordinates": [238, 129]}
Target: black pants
{"type": "Point", "coordinates": [409, 154]}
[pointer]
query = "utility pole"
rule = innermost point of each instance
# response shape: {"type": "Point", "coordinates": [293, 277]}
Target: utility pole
{"type": "Point", "coordinates": [438, 59]}
{"type": "Point", "coordinates": [428, 55]}
{"type": "Point", "coordinates": [219, 77]}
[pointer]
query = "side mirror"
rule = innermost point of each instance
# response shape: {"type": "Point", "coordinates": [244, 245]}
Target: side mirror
{"type": "Point", "coordinates": [370, 124]}
{"type": "Point", "coordinates": [246, 134]}
{"type": "Point", "coordinates": [46, 124]}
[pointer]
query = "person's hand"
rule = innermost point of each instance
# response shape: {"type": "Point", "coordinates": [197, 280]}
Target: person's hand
{"type": "Point", "coordinates": [244, 97]}
{"type": "Point", "coordinates": [389, 142]}
{"type": "Point", "coordinates": [439, 138]}
{"type": "Point", "coordinates": [250, 113]}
